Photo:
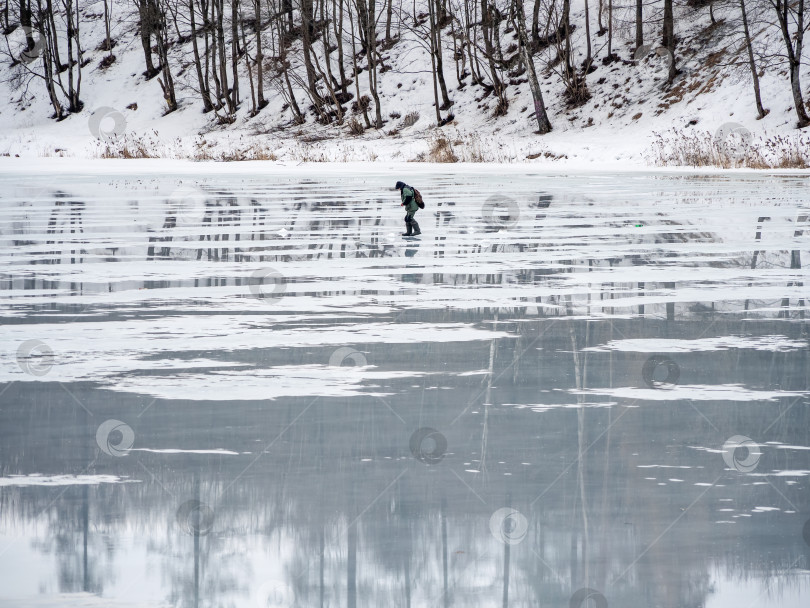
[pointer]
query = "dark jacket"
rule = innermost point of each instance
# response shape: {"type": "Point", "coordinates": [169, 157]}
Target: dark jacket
{"type": "Point", "coordinates": [409, 200]}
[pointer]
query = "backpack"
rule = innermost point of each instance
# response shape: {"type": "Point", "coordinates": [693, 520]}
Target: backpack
{"type": "Point", "coordinates": [417, 196]}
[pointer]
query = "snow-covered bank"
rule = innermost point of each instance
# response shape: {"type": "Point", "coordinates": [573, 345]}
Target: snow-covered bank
{"type": "Point", "coordinates": [618, 127]}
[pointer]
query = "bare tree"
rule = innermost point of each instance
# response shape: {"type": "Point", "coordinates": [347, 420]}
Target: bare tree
{"type": "Point", "coordinates": [489, 29]}
{"type": "Point", "coordinates": [108, 43]}
{"type": "Point", "coordinates": [147, 23]}
{"type": "Point", "coordinates": [761, 112]}
{"type": "Point", "coordinates": [202, 78]}
{"type": "Point", "coordinates": [788, 14]}
{"type": "Point", "coordinates": [367, 28]}
{"type": "Point", "coordinates": [669, 38]}
{"type": "Point", "coordinates": [543, 123]}
{"type": "Point", "coordinates": [436, 45]}
{"type": "Point", "coordinates": [74, 68]}
{"type": "Point", "coordinates": [165, 80]}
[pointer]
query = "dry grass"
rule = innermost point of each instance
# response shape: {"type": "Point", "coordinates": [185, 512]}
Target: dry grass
{"type": "Point", "coordinates": [703, 149]}
{"type": "Point", "coordinates": [308, 154]}
{"type": "Point", "coordinates": [546, 154]}
{"type": "Point", "coordinates": [129, 146]}
{"type": "Point", "coordinates": [252, 153]}
{"type": "Point", "coordinates": [441, 150]}
{"type": "Point", "coordinates": [410, 119]}
{"type": "Point", "coordinates": [255, 151]}
{"type": "Point", "coordinates": [462, 148]}
{"type": "Point", "coordinates": [471, 150]}
{"type": "Point", "coordinates": [440, 145]}
{"type": "Point", "coordinates": [501, 108]}
{"type": "Point", "coordinates": [355, 127]}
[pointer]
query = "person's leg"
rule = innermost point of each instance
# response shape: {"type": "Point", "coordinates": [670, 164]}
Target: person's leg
{"type": "Point", "coordinates": [408, 226]}
{"type": "Point", "coordinates": [415, 225]}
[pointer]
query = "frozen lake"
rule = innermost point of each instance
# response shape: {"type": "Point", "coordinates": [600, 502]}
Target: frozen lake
{"type": "Point", "coordinates": [236, 389]}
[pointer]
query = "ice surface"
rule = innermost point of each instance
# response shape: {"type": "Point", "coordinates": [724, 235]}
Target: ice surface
{"type": "Point", "coordinates": [250, 392]}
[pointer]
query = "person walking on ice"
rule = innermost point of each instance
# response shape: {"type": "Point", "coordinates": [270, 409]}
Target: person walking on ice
{"type": "Point", "coordinates": [410, 200]}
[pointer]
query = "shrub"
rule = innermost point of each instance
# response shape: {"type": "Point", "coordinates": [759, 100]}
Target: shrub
{"type": "Point", "coordinates": [356, 127]}
{"type": "Point", "coordinates": [441, 150]}
{"type": "Point", "coordinates": [410, 119]}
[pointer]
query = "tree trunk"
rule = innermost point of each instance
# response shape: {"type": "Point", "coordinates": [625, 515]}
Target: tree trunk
{"type": "Point", "coordinates": [458, 53]}
{"type": "Point", "coordinates": [436, 43]}
{"type": "Point", "coordinates": [223, 62]}
{"type": "Point", "coordinates": [536, 23]}
{"type": "Point", "coordinates": [433, 62]}
{"type": "Point", "coordinates": [79, 58]}
{"type": "Point", "coordinates": [55, 42]}
{"type": "Point", "coordinates": [338, 28]}
{"type": "Point", "coordinates": [496, 32]}
{"type": "Point", "coordinates": [798, 99]}
{"type": "Point", "coordinates": [543, 123]}
{"type": "Point", "coordinates": [298, 116]}
{"type": "Point", "coordinates": [306, 41]}
{"type": "Point", "coordinates": [254, 109]}
{"type": "Point", "coordinates": [794, 54]}
{"type": "Point", "coordinates": [589, 55]}
{"type": "Point", "coordinates": [235, 54]}
{"type": "Point", "coordinates": [472, 52]}
{"type": "Point", "coordinates": [107, 26]}
{"type": "Point", "coordinates": [486, 31]}
{"type": "Point", "coordinates": [25, 21]}
{"type": "Point", "coordinates": [573, 83]}
{"type": "Point", "coordinates": [204, 89]}
{"type": "Point", "coordinates": [257, 6]}
{"type": "Point", "coordinates": [146, 36]}
{"type": "Point", "coordinates": [372, 61]}
{"type": "Point", "coordinates": [388, 15]}
{"type": "Point", "coordinates": [74, 105]}
{"type": "Point", "coordinates": [328, 78]}
{"type": "Point", "coordinates": [669, 38]}
{"type": "Point", "coordinates": [166, 82]}
{"type": "Point", "coordinates": [287, 6]}
{"type": "Point", "coordinates": [47, 62]}
{"type": "Point", "coordinates": [639, 23]}
{"type": "Point", "coordinates": [567, 31]}
{"type": "Point", "coordinates": [760, 110]}
{"type": "Point", "coordinates": [360, 103]}
{"type": "Point", "coordinates": [213, 54]}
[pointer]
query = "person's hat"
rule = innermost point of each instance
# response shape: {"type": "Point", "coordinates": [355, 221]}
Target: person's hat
{"type": "Point", "coordinates": [399, 186]}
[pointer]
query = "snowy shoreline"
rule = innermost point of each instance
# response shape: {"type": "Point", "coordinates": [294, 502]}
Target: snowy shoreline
{"type": "Point", "coordinates": [10, 166]}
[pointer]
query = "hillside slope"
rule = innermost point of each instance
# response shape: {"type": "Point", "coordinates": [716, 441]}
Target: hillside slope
{"type": "Point", "coordinates": [630, 102]}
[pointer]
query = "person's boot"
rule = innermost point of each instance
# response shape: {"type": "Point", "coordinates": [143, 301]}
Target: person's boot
{"type": "Point", "coordinates": [415, 225]}
{"type": "Point", "coordinates": [409, 228]}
